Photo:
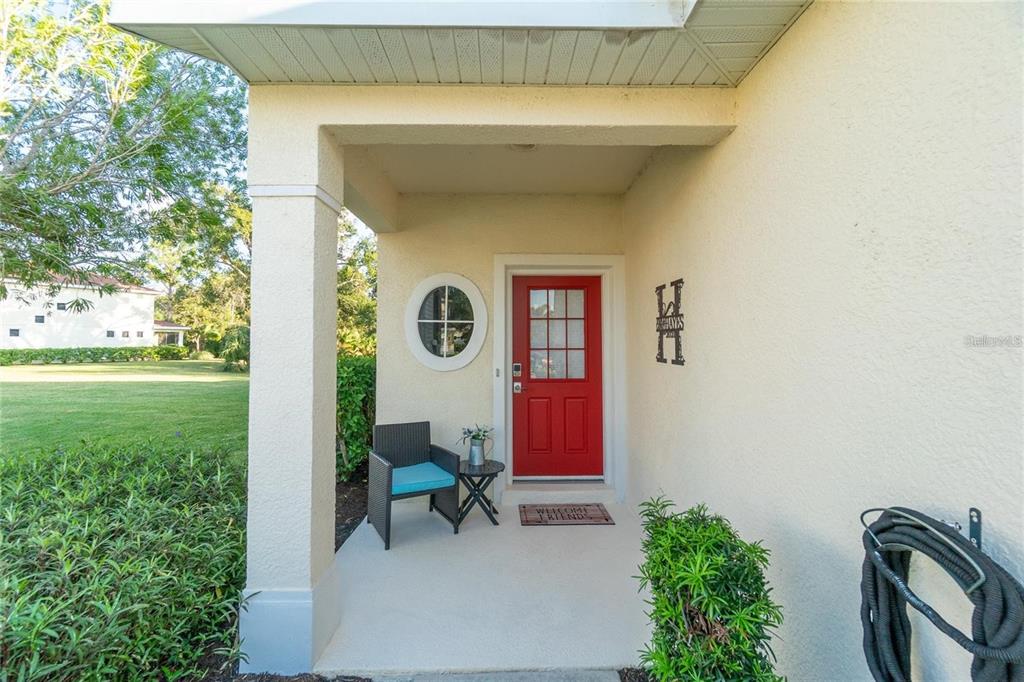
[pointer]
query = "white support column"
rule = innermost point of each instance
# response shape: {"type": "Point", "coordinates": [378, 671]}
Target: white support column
{"type": "Point", "coordinates": [291, 596]}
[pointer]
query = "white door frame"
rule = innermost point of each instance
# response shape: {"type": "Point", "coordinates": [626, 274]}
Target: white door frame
{"type": "Point", "coordinates": [612, 270]}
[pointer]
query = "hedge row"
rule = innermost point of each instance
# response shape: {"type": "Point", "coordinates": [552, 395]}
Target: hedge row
{"type": "Point", "coordinates": [46, 356]}
{"type": "Point", "coordinates": [357, 380]}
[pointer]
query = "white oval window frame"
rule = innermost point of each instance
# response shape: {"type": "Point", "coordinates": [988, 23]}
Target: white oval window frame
{"type": "Point", "coordinates": [412, 314]}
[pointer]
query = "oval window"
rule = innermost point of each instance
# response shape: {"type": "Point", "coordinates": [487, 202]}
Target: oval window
{"type": "Point", "coordinates": [446, 322]}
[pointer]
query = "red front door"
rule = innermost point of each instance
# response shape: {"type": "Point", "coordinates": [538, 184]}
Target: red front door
{"type": "Point", "coordinates": [556, 397]}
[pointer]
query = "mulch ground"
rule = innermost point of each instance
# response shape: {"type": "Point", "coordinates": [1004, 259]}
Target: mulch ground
{"type": "Point", "coordinates": [349, 505]}
{"type": "Point", "coordinates": [633, 675]}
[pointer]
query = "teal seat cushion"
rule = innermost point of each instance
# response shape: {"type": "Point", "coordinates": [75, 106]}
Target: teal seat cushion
{"type": "Point", "coordinates": [419, 478]}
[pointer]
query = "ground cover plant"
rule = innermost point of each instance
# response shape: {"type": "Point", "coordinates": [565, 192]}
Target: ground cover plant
{"type": "Point", "coordinates": [118, 562]}
{"type": "Point", "coordinates": [122, 498]}
{"type": "Point", "coordinates": [711, 607]}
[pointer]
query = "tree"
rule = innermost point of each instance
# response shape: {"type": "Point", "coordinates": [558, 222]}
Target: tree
{"type": "Point", "coordinates": [202, 256]}
{"type": "Point", "coordinates": [213, 234]}
{"type": "Point", "coordinates": [357, 289]}
{"type": "Point", "coordinates": [166, 264]}
{"type": "Point", "coordinates": [101, 136]}
{"type": "Point", "coordinates": [203, 262]}
{"type": "Point", "coordinates": [210, 307]}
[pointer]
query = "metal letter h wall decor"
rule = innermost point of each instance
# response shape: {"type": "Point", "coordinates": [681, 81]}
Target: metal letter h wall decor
{"type": "Point", "coordinates": [670, 321]}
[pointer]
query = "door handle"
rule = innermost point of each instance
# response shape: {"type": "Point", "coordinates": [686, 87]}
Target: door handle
{"type": "Point", "coordinates": [517, 387]}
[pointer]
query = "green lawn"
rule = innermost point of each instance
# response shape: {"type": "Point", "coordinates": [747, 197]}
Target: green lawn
{"type": "Point", "coordinates": [48, 406]}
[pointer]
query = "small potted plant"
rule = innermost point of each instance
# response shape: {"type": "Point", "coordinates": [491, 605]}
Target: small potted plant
{"type": "Point", "coordinates": [477, 437]}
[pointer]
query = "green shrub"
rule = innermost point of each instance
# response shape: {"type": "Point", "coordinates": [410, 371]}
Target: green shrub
{"type": "Point", "coordinates": [44, 356]}
{"type": "Point", "coordinates": [118, 563]}
{"type": "Point", "coordinates": [357, 377]}
{"type": "Point", "coordinates": [171, 352]}
{"type": "Point", "coordinates": [711, 607]}
{"type": "Point", "coordinates": [201, 355]}
{"type": "Point", "coordinates": [234, 348]}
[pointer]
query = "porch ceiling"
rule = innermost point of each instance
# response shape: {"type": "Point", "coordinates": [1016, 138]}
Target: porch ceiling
{"type": "Point", "coordinates": [615, 42]}
{"type": "Point", "coordinates": [509, 169]}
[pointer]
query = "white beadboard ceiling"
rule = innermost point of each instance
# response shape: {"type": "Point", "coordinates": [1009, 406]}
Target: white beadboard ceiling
{"type": "Point", "coordinates": [718, 45]}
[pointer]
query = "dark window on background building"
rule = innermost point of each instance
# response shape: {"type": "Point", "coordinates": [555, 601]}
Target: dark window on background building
{"type": "Point", "coordinates": [110, 334]}
{"type": "Point", "coordinates": [124, 335]}
{"type": "Point", "coordinates": [138, 334]}
{"type": "Point", "coordinates": [62, 306]}
{"type": "Point", "coordinates": [14, 332]}
{"type": "Point", "coordinates": [40, 319]}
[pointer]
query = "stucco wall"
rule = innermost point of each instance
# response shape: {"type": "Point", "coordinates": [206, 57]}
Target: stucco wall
{"type": "Point", "coordinates": [461, 234]}
{"type": "Point", "coordinates": [122, 312]}
{"type": "Point", "coordinates": [864, 217]}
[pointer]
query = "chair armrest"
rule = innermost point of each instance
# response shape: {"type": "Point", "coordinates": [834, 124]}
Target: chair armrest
{"type": "Point", "coordinates": [379, 475]}
{"type": "Point", "coordinates": [446, 459]}
{"type": "Point", "coordinates": [378, 496]}
{"type": "Point", "coordinates": [382, 460]}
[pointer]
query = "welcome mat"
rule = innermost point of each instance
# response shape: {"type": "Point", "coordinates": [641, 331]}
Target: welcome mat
{"type": "Point", "coordinates": [587, 514]}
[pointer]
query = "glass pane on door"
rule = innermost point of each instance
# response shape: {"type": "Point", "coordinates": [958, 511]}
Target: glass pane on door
{"type": "Point", "coordinates": [539, 303]}
{"type": "Point", "coordinates": [576, 365]}
{"type": "Point", "coordinates": [575, 335]}
{"type": "Point", "coordinates": [556, 334]}
{"type": "Point", "coordinates": [574, 303]}
{"type": "Point", "coordinates": [556, 364]}
{"type": "Point", "coordinates": [538, 334]}
{"type": "Point", "coordinates": [538, 364]}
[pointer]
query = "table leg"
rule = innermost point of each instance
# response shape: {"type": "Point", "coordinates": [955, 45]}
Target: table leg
{"type": "Point", "coordinates": [487, 510]}
{"type": "Point", "coordinates": [489, 503]}
{"type": "Point", "coordinates": [477, 497]}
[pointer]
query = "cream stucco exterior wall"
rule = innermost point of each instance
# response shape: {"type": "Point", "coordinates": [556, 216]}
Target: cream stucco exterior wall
{"type": "Point", "coordinates": [461, 234]}
{"type": "Point", "coordinates": [862, 218]}
{"type": "Point", "coordinates": [121, 312]}
{"type": "Point", "coordinates": [838, 247]}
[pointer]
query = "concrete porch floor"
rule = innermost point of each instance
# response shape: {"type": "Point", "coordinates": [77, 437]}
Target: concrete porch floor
{"type": "Point", "coordinates": [505, 598]}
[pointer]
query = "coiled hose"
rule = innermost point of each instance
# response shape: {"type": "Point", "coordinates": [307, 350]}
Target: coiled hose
{"type": "Point", "coordinates": [997, 625]}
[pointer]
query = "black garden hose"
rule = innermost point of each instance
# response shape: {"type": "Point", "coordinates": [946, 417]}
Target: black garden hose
{"type": "Point", "coordinates": [997, 626]}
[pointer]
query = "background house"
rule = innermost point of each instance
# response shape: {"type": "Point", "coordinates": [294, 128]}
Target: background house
{"type": "Point", "coordinates": [169, 333]}
{"type": "Point", "coordinates": [33, 319]}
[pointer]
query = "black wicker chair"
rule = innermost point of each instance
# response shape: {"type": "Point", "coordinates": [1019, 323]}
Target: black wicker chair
{"type": "Point", "coordinates": [404, 463]}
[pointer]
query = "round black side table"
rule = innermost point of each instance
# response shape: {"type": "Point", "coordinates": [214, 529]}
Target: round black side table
{"type": "Point", "coordinates": [477, 479]}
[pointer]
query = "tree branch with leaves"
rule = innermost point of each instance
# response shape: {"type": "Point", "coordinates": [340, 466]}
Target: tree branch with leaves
{"type": "Point", "coordinates": [101, 135]}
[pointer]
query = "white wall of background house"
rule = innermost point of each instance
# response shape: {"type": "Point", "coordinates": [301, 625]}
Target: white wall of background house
{"type": "Point", "coordinates": [124, 318]}
{"type": "Point", "coordinates": [842, 219]}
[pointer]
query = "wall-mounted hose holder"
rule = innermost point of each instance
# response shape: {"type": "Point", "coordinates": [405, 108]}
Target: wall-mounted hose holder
{"type": "Point", "coordinates": [997, 640]}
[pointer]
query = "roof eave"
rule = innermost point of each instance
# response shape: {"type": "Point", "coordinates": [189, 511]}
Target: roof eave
{"type": "Point", "coordinates": [134, 15]}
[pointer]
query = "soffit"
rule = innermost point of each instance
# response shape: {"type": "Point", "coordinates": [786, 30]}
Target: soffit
{"type": "Point", "coordinates": [717, 45]}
